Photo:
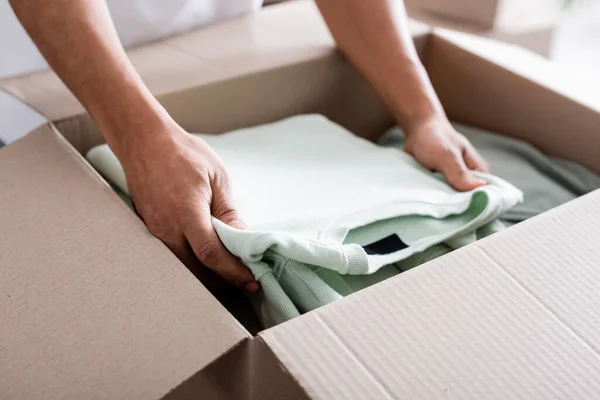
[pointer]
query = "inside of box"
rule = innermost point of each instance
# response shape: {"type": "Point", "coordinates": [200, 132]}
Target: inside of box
{"type": "Point", "coordinates": [513, 92]}
{"type": "Point", "coordinates": [330, 86]}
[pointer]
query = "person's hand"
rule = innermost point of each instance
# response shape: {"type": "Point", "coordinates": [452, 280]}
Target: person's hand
{"type": "Point", "coordinates": [437, 146]}
{"type": "Point", "coordinates": [177, 182]}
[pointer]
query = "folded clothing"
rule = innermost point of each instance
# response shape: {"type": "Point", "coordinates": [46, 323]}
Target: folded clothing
{"type": "Point", "coordinates": [546, 182]}
{"type": "Point", "coordinates": [317, 198]}
{"type": "Point", "coordinates": [348, 284]}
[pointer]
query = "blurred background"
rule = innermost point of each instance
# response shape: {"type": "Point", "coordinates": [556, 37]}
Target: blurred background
{"type": "Point", "coordinates": [576, 45]}
{"type": "Point", "coordinates": [565, 31]}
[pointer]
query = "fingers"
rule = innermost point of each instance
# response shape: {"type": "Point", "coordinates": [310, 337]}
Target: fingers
{"type": "Point", "coordinates": [182, 249]}
{"type": "Point", "coordinates": [458, 175]}
{"type": "Point", "coordinates": [210, 251]}
{"type": "Point", "coordinates": [473, 160]}
{"type": "Point", "coordinates": [222, 207]}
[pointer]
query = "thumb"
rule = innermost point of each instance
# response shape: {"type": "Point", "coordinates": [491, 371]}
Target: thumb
{"type": "Point", "coordinates": [208, 248]}
{"type": "Point", "coordinates": [458, 175]}
{"type": "Point", "coordinates": [222, 207]}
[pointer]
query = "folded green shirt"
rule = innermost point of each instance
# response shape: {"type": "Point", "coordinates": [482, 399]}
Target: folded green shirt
{"type": "Point", "coordinates": [317, 198]}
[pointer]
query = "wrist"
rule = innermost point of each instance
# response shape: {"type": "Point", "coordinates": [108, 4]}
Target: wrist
{"type": "Point", "coordinates": [137, 126]}
{"type": "Point", "coordinates": [433, 120]}
{"type": "Point", "coordinates": [415, 103]}
{"type": "Point", "coordinates": [423, 121]}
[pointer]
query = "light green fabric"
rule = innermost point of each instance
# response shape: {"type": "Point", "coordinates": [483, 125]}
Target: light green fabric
{"type": "Point", "coordinates": [546, 182]}
{"type": "Point", "coordinates": [314, 196]}
{"type": "Point", "coordinates": [272, 304]}
{"type": "Point", "coordinates": [348, 284]}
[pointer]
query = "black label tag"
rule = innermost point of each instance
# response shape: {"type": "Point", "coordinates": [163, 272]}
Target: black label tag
{"type": "Point", "coordinates": [387, 245]}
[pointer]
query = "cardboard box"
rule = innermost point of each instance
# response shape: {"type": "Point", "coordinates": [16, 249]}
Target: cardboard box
{"type": "Point", "coordinates": [504, 15]}
{"type": "Point", "coordinates": [537, 39]}
{"type": "Point", "coordinates": [93, 306]}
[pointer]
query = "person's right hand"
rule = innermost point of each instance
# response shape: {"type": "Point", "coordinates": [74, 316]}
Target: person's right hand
{"type": "Point", "coordinates": [439, 147]}
{"type": "Point", "coordinates": [177, 182]}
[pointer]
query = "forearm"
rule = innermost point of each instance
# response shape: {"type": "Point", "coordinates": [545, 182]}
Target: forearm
{"type": "Point", "coordinates": [374, 35]}
{"type": "Point", "coordinates": [79, 41]}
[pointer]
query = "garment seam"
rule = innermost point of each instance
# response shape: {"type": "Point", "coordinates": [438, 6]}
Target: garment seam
{"type": "Point", "coordinates": [494, 183]}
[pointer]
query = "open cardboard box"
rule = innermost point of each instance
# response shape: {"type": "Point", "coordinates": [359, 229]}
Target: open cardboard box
{"type": "Point", "coordinates": [94, 306]}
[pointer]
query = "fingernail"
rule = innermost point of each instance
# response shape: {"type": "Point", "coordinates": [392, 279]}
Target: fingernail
{"type": "Point", "coordinates": [252, 287]}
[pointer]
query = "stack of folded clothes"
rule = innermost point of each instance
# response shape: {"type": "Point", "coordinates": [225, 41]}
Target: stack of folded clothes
{"type": "Point", "coordinates": [329, 213]}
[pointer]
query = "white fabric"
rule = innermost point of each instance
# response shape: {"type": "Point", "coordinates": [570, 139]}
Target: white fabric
{"type": "Point", "coordinates": [311, 191]}
{"type": "Point", "coordinates": [137, 21]}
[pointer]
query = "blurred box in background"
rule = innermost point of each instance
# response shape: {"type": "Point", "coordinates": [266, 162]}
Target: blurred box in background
{"type": "Point", "coordinates": [502, 15]}
{"type": "Point", "coordinates": [537, 38]}
{"type": "Point", "coordinates": [530, 24]}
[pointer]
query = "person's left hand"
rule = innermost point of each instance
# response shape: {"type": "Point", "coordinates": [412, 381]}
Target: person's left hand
{"type": "Point", "coordinates": [439, 147]}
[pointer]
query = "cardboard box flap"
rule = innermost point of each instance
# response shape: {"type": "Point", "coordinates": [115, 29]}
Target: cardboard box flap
{"type": "Point", "coordinates": [556, 257]}
{"type": "Point", "coordinates": [508, 317]}
{"type": "Point", "coordinates": [91, 302]}
{"type": "Point", "coordinates": [277, 36]}
{"type": "Point", "coordinates": [509, 90]}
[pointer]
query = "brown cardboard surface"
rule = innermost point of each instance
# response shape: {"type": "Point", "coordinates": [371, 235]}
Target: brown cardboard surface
{"type": "Point", "coordinates": [92, 304]}
{"type": "Point", "coordinates": [45, 92]}
{"type": "Point", "coordinates": [474, 324]}
{"type": "Point", "coordinates": [99, 308]}
{"type": "Point", "coordinates": [538, 39]}
{"type": "Point", "coordinates": [564, 277]}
